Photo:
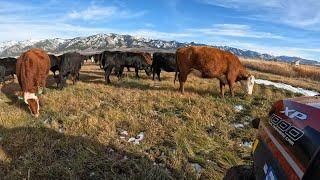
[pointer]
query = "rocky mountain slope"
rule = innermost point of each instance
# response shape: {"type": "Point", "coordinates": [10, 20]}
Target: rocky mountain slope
{"type": "Point", "coordinates": [115, 41]}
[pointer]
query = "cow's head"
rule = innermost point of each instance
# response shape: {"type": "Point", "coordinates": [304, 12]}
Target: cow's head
{"type": "Point", "coordinates": [33, 103]}
{"type": "Point", "coordinates": [148, 70]}
{"type": "Point", "coordinates": [248, 83]}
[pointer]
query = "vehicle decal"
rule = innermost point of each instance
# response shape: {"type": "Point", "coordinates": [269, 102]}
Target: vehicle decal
{"type": "Point", "coordinates": [288, 131]}
{"type": "Point", "coordinates": [269, 172]}
{"type": "Point", "coordinates": [288, 158]}
{"type": "Point", "coordinates": [294, 114]}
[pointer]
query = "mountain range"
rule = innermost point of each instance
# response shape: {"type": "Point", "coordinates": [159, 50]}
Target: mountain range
{"type": "Point", "coordinates": [111, 41]}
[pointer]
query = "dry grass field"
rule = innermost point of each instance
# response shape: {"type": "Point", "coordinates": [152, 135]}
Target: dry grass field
{"type": "Point", "coordinates": [77, 136]}
{"type": "Point", "coordinates": [303, 76]}
{"type": "Point", "coordinates": [284, 69]}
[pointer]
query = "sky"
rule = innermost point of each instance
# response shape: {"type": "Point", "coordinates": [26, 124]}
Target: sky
{"type": "Point", "coordinates": [277, 27]}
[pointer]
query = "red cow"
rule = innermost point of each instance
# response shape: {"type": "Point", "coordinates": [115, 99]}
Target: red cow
{"type": "Point", "coordinates": [213, 63]}
{"type": "Point", "coordinates": [32, 69]}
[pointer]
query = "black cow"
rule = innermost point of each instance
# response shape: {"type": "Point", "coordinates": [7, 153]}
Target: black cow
{"type": "Point", "coordinates": [55, 61]}
{"type": "Point", "coordinates": [70, 65]}
{"type": "Point", "coordinates": [85, 58]}
{"type": "Point", "coordinates": [144, 58]}
{"type": "Point", "coordinates": [2, 74]}
{"type": "Point", "coordinates": [97, 58]}
{"type": "Point", "coordinates": [164, 61]}
{"type": "Point", "coordinates": [8, 68]}
{"type": "Point", "coordinates": [119, 60]}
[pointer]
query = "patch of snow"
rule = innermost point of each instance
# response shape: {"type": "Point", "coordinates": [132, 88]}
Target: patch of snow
{"type": "Point", "coordinates": [124, 133]}
{"type": "Point", "coordinates": [237, 125]}
{"type": "Point", "coordinates": [136, 140]}
{"type": "Point", "coordinates": [48, 121]}
{"type": "Point", "coordinates": [197, 168]}
{"type": "Point", "coordinates": [246, 144]}
{"type": "Point", "coordinates": [238, 108]}
{"type": "Point", "coordinates": [287, 87]}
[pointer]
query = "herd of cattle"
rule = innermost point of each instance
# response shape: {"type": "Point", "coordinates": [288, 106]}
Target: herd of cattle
{"type": "Point", "coordinates": [32, 68]}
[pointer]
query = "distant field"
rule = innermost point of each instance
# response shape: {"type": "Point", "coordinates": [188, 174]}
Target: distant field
{"type": "Point", "coordinates": [180, 130]}
{"type": "Point", "coordinates": [304, 76]}
{"type": "Point", "coordinates": [283, 69]}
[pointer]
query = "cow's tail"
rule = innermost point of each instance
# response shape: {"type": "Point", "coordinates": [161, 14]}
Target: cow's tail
{"type": "Point", "coordinates": [177, 70]}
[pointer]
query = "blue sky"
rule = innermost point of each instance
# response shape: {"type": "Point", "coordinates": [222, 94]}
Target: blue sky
{"type": "Point", "coordinates": [278, 27]}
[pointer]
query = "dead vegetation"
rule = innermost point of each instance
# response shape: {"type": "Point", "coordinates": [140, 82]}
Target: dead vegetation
{"type": "Point", "coordinates": [78, 134]}
{"type": "Point", "coordinates": [283, 69]}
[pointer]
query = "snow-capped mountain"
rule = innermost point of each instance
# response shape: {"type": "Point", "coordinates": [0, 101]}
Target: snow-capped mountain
{"type": "Point", "coordinates": [101, 42]}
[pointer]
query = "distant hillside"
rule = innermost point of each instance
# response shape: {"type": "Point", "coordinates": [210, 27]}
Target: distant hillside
{"type": "Point", "coordinates": [101, 42]}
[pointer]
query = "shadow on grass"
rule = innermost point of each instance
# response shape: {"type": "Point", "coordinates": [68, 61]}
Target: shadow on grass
{"type": "Point", "coordinates": [42, 153]}
{"type": "Point", "coordinates": [10, 90]}
{"type": "Point", "coordinates": [240, 172]}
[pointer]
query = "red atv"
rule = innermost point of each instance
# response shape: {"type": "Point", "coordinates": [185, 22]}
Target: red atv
{"type": "Point", "coordinates": [287, 144]}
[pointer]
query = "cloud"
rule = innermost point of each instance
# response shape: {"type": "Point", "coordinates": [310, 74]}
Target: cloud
{"type": "Point", "coordinates": [95, 12]}
{"type": "Point", "coordinates": [235, 30]}
{"type": "Point", "coordinates": [35, 30]}
{"type": "Point", "coordinates": [297, 13]}
{"type": "Point", "coordinates": [243, 3]}
{"type": "Point", "coordinates": [147, 33]}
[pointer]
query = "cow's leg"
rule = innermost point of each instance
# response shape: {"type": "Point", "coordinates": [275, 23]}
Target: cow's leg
{"type": "Point", "coordinates": [137, 72]}
{"type": "Point", "coordinates": [231, 83]}
{"type": "Point", "coordinates": [60, 82]}
{"type": "Point", "coordinates": [12, 78]}
{"type": "Point", "coordinates": [78, 76]}
{"type": "Point", "coordinates": [108, 71]}
{"type": "Point", "coordinates": [231, 78]}
{"type": "Point", "coordinates": [153, 73]}
{"type": "Point", "coordinates": [120, 73]}
{"type": "Point", "coordinates": [182, 79]}
{"type": "Point", "coordinates": [222, 89]}
{"type": "Point", "coordinates": [73, 77]}
{"type": "Point", "coordinates": [158, 74]}
{"type": "Point", "coordinates": [2, 81]}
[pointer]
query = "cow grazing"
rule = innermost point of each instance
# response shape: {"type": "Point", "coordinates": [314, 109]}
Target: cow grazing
{"type": "Point", "coordinates": [70, 65]}
{"type": "Point", "coordinates": [32, 70]}
{"type": "Point", "coordinates": [138, 61]}
{"type": "Point", "coordinates": [97, 58]}
{"type": "Point", "coordinates": [213, 63]}
{"type": "Point", "coordinates": [8, 68]}
{"type": "Point", "coordinates": [119, 60]}
{"type": "Point", "coordinates": [54, 61]}
{"type": "Point", "coordinates": [163, 61]}
{"type": "Point", "coordinates": [86, 58]}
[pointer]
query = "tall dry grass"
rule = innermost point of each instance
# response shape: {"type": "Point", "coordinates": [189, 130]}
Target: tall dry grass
{"type": "Point", "coordinates": [283, 69]}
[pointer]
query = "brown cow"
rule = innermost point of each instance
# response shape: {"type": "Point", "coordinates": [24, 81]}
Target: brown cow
{"type": "Point", "coordinates": [32, 69]}
{"type": "Point", "coordinates": [213, 63]}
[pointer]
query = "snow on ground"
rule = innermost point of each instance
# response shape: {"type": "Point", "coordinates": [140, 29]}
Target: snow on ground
{"type": "Point", "coordinates": [287, 87]}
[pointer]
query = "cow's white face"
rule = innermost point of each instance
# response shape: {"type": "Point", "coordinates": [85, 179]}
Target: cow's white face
{"type": "Point", "coordinates": [33, 103]}
{"type": "Point", "coordinates": [248, 84]}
